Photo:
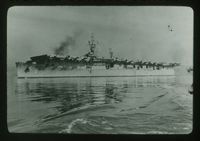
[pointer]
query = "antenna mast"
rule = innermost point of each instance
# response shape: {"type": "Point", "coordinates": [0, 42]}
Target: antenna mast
{"type": "Point", "coordinates": [92, 44]}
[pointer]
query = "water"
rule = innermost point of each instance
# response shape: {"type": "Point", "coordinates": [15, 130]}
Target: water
{"type": "Point", "coordinates": [107, 105]}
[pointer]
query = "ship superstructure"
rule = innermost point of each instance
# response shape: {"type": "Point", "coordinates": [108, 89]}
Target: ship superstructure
{"type": "Point", "coordinates": [90, 65]}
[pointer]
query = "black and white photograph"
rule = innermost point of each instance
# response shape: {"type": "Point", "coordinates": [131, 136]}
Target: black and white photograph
{"type": "Point", "coordinates": [100, 69]}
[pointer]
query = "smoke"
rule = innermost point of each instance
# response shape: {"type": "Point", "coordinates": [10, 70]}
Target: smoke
{"type": "Point", "coordinates": [70, 42]}
{"type": "Point", "coordinates": [64, 46]}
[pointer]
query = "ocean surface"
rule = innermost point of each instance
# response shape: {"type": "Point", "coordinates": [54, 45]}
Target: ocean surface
{"type": "Point", "coordinates": [102, 105]}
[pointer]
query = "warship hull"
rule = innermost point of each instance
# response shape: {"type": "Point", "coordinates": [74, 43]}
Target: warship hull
{"type": "Point", "coordinates": [113, 72]}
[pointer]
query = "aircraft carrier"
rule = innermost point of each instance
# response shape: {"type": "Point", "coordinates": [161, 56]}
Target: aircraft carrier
{"type": "Point", "coordinates": [90, 65]}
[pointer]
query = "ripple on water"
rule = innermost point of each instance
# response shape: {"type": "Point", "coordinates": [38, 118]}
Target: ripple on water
{"type": "Point", "coordinates": [153, 105]}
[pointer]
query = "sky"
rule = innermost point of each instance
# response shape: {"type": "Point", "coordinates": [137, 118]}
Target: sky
{"type": "Point", "coordinates": [133, 32]}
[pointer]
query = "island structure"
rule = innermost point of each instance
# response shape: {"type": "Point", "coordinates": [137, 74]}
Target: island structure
{"type": "Point", "coordinates": [90, 65]}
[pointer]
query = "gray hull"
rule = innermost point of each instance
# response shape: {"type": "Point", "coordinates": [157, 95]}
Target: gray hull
{"type": "Point", "coordinates": [94, 72]}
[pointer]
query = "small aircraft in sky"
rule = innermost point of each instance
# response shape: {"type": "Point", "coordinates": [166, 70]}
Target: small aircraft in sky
{"type": "Point", "coordinates": [170, 28]}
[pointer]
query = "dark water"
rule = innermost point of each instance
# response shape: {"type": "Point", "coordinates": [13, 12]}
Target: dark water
{"type": "Point", "coordinates": [112, 105]}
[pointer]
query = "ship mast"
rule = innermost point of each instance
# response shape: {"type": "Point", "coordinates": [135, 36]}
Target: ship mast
{"type": "Point", "coordinates": [92, 44]}
{"type": "Point", "coordinates": [111, 53]}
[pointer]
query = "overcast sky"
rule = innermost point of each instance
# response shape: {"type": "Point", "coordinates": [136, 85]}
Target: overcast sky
{"type": "Point", "coordinates": [132, 32]}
